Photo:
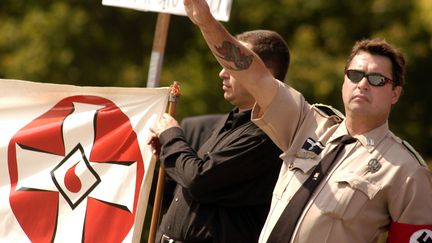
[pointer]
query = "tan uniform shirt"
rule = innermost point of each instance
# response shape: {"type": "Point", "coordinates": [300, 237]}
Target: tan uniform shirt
{"type": "Point", "coordinates": [375, 180]}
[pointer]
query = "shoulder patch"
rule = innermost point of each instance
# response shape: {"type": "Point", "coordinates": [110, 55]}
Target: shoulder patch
{"type": "Point", "coordinates": [414, 153]}
{"type": "Point", "coordinates": [330, 111]}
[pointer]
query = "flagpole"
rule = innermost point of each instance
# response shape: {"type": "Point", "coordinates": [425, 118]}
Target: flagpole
{"type": "Point", "coordinates": [155, 67]}
{"type": "Point", "coordinates": [172, 104]}
{"type": "Point", "coordinates": [158, 50]}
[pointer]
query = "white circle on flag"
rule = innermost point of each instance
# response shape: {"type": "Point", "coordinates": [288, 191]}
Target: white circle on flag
{"type": "Point", "coordinates": [421, 236]}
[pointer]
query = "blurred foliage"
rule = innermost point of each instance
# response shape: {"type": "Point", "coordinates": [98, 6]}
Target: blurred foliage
{"type": "Point", "coordinates": [82, 42]}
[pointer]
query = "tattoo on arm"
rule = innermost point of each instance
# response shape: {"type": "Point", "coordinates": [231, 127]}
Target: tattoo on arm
{"type": "Point", "coordinates": [229, 52]}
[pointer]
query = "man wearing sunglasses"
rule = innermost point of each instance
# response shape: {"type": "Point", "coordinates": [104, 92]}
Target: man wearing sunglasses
{"type": "Point", "coordinates": [376, 183]}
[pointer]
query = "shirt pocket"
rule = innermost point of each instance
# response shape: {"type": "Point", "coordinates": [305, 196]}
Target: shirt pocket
{"type": "Point", "coordinates": [292, 176]}
{"type": "Point", "coordinates": [345, 195]}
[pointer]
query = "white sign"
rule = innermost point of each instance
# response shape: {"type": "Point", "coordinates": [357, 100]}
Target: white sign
{"type": "Point", "coordinates": [220, 8]}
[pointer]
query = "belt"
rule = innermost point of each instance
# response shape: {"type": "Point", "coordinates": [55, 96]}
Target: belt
{"type": "Point", "coordinates": [167, 239]}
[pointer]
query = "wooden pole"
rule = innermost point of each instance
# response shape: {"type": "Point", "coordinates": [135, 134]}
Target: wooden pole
{"type": "Point", "coordinates": [158, 50]}
{"type": "Point", "coordinates": [174, 95]}
{"type": "Point", "coordinates": [156, 61]}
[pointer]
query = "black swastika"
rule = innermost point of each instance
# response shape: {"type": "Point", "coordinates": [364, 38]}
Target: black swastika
{"type": "Point", "coordinates": [424, 238]}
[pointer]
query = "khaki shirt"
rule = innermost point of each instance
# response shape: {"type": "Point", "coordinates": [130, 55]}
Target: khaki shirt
{"type": "Point", "coordinates": [375, 180]}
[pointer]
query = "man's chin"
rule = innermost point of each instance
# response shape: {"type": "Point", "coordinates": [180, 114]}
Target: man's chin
{"type": "Point", "coordinates": [358, 109]}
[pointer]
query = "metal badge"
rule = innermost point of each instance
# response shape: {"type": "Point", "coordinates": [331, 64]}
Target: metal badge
{"type": "Point", "coordinates": [305, 154]}
{"type": "Point", "coordinates": [374, 165]}
{"type": "Point", "coordinates": [370, 142]}
{"type": "Point", "coordinates": [310, 149]}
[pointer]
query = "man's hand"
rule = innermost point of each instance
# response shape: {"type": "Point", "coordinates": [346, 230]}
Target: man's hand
{"type": "Point", "coordinates": [155, 145]}
{"type": "Point", "coordinates": [198, 11]}
{"type": "Point", "coordinates": [164, 123]}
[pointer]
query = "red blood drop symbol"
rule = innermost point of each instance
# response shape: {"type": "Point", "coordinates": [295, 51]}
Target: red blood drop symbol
{"type": "Point", "coordinates": [71, 180]}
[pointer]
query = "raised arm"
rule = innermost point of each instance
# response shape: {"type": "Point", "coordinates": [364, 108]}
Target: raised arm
{"type": "Point", "coordinates": [244, 65]}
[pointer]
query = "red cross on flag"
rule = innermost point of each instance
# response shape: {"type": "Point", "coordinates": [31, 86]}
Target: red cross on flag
{"type": "Point", "coordinates": [74, 161]}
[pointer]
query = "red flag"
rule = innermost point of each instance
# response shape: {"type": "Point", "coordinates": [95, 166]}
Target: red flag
{"type": "Point", "coordinates": [77, 163]}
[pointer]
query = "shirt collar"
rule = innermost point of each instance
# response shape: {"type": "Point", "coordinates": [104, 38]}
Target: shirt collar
{"type": "Point", "coordinates": [236, 118]}
{"type": "Point", "coordinates": [369, 139]}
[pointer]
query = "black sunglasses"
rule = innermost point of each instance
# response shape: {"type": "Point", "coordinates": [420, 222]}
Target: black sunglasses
{"type": "Point", "coordinates": [374, 79]}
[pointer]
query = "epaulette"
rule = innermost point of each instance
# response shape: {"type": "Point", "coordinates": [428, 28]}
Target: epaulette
{"type": "Point", "coordinates": [330, 111]}
{"type": "Point", "coordinates": [414, 153]}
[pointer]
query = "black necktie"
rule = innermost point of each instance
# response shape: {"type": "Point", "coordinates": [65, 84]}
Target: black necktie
{"type": "Point", "coordinates": [284, 228]}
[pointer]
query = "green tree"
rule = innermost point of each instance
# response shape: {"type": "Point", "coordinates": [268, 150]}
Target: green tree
{"type": "Point", "coordinates": [85, 43]}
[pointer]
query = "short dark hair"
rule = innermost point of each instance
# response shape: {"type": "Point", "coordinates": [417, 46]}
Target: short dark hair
{"type": "Point", "coordinates": [380, 47]}
{"type": "Point", "coordinates": [271, 48]}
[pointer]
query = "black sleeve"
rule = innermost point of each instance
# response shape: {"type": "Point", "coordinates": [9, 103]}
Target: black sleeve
{"type": "Point", "coordinates": [197, 129]}
{"type": "Point", "coordinates": [242, 172]}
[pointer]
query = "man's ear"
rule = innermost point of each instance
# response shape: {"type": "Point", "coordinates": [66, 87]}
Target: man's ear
{"type": "Point", "coordinates": [397, 92]}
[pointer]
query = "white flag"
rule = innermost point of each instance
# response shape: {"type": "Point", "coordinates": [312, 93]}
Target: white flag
{"type": "Point", "coordinates": [74, 161]}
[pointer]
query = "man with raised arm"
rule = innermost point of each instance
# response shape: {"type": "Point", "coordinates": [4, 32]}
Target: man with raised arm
{"type": "Point", "coordinates": [344, 179]}
{"type": "Point", "coordinates": [223, 188]}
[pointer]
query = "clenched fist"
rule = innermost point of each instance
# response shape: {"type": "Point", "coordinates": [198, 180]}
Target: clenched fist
{"type": "Point", "coordinates": [198, 11]}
